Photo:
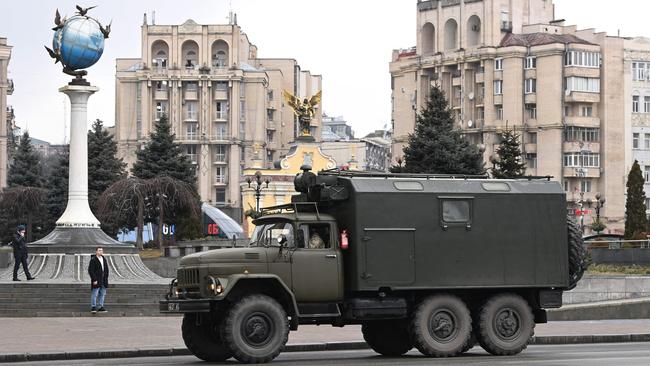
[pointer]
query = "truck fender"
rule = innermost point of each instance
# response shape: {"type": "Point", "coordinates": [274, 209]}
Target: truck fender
{"type": "Point", "coordinates": [272, 285]}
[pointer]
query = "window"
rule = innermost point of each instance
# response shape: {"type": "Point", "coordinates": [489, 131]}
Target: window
{"type": "Point", "coordinates": [191, 153]}
{"type": "Point", "coordinates": [646, 141]}
{"type": "Point", "coordinates": [635, 140]}
{"type": "Point", "coordinates": [220, 174]}
{"type": "Point", "coordinates": [635, 104]}
{"type": "Point", "coordinates": [584, 134]}
{"type": "Point", "coordinates": [191, 86]}
{"type": "Point", "coordinates": [161, 110]}
{"type": "Point", "coordinates": [646, 173]}
{"type": "Point", "coordinates": [530, 63]}
{"type": "Point", "coordinates": [220, 195]}
{"type": "Point", "coordinates": [585, 186]}
{"type": "Point", "coordinates": [313, 236]}
{"type": "Point", "coordinates": [531, 111]}
{"type": "Point", "coordinates": [242, 130]}
{"type": "Point", "coordinates": [581, 84]}
{"type": "Point", "coordinates": [582, 59]}
{"type": "Point", "coordinates": [220, 110]}
{"type": "Point", "coordinates": [531, 160]}
{"type": "Point", "coordinates": [532, 137]}
{"type": "Point", "coordinates": [582, 160]}
{"type": "Point", "coordinates": [220, 154]}
{"type": "Point", "coordinates": [567, 111]}
{"type": "Point", "coordinates": [530, 86]}
{"type": "Point", "coordinates": [191, 111]}
{"type": "Point", "coordinates": [499, 110]}
{"type": "Point", "coordinates": [242, 110]}
{"type": "Point", "coordinates": [270, 114]}
{"type": "Point", "coordinates": [221, 131]}
{"type": "Point", "coordinates": [566, 186]}
{"type": "Point", "coordinates": [222, 85]}
{"type": "Point", "coordinates": [161, 85]}
{"type": "Point", "coordinates": [498, 87]}
{"type": "Point", "coordinates": [586, 111]}
{"type": "Point", "coordinates": [640, 71]}
{"type": "Point", "coordinates": [498, 64]}
{"type": "Point", "coordinates": [191, 131]}
{"type": "Point", "coordinates": [456, 211]}
{"type": "Point", "coordinates": [646, 104]}
{"type": "Point", "coordinates": [269, 95]}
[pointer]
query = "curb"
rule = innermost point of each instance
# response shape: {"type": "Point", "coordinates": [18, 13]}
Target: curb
{"type": "Point", "coordinates": [300, 347]}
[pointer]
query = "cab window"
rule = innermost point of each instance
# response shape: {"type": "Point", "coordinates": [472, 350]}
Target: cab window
{"type": "Point", "coordinates": [269, 234]}
{"type": "Point", "coordinates": [314, 236]}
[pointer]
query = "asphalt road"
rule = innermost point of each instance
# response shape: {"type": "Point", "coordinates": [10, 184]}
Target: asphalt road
{"type": "Point", "coordinates": [628, 354]}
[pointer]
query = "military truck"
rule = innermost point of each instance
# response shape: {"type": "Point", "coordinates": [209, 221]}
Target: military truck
{"type": "Point", "coordinates": [439, 263]}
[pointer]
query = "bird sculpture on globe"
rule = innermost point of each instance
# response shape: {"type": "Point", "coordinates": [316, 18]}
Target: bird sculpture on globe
{"type": "Point", "coordinates": [78, 42]}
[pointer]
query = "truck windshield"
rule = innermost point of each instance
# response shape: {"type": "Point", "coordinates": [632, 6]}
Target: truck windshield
{"type": "Point", "coordinates": [267, 235]}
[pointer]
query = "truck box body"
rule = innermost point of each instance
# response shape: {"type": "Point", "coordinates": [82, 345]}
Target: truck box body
{"type": "Point", "coordinates": [442, 233]}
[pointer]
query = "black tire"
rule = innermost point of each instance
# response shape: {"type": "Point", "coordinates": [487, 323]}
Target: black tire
{"type": "Point", "coordinates": [201, 335]}
{"type": "Point", "coordinates": [506, 325]}
{"type": "Point", "coordinates": [255, 329]}
{"type": "Point", "coordinates": [472, 342]}
{"type": "Point", "coordinates": [578, 261]}
{"type": "Point", "coordinates": [441, 326]}
{"type": "Point", "coordinates": [388, 337]}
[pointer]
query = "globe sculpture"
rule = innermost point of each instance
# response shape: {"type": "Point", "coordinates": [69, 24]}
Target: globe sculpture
{"type": "Point", "coordinates": [78, 42]}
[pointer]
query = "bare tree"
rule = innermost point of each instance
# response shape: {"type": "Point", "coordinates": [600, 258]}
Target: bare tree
{"type": "Point", "coordinates": [23, 202]}
{"type": "Point", "coordinates": [122, 201]}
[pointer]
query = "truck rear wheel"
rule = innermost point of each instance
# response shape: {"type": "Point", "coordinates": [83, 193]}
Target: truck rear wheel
{"type": "Point", "coordinates": [201, 335]}
{"type": "Point", "coordinates": [506, 325]}
{"type": "Point", "coordinates": [441, 326]}
{"type": "Point", "coordinates": [578, 262]}
{"type": "Point", "coordinates": [255, 329]}
{"type": "Point", "coordinates": [388, 338]}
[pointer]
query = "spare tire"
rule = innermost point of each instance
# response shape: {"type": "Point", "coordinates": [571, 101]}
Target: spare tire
{"type": "Point", "coordinates": [578, 261]}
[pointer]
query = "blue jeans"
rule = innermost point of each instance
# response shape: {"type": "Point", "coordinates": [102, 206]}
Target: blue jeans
{"type": "Point", "coordinates": [93, 297]}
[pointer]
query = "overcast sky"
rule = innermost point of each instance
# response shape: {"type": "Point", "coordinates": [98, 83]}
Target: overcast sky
{"type": "Point", "coordinates": [349, 42]}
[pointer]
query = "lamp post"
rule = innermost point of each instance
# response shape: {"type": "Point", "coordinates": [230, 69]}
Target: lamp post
{"type": "Point", "coordinates": [258, 187]}
{"type": "Point", "coordinates": [600, 202]}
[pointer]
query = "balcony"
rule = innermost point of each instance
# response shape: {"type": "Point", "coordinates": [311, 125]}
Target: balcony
{"type": "Point", "coordinates": [160, 94]}
{"type": "Point", "coordinates": [578, 146]}
{"type": "Point", "coordinates": [190, 94]}
{"type": "Point", "coordinates": [221, 115]}
{"type": "Point", "coordinates": [220, 94]}
{"type": "Point", "coordinates": [585, 72]}
{"type": "Point", "coordinates": [427, 5]}
{"type": "Point", "coordinates": [530, 148]}
{"type": "Point", "coordinates": [220, 159]}
{"type": "Point", "coordinates": [583, 121]}
{"type": "Point", "coordinates": [498, 99]}
{"type": "Point", "coordinates": [220, 179]}
{"type": "Point", "coordinates": [191, 136]}
{"type": "Point", "coordinates": [581, 172]}
{"type": "Point", "coordinates": [582, 97]}
{"type": "Point", "coordinates": [530, 98]}
{"type": "Point", "coordinates": [191, 116]}
{"type": "Point", "coordinates": [220, 136]}
{"type": "Point", "coordinates": [219, 70]}
{"type": "Point", "coordinates": [159, 70]}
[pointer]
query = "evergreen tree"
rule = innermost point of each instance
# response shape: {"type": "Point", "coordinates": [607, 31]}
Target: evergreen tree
{"type": "Point", "coordinates": [162, 156]}
{"type": "Point", "coordinates": [635, 218]}
{"type": "Point", "coordinates": [509, 164]}
{"type": "Point", "coordinates": [104, 168]}
{"type": "Point", "coordinates": [26, 169]}
{"type": "Point", "coordinates": [57, 184]}
{"type": "Point", "coordinates": [437, 147]}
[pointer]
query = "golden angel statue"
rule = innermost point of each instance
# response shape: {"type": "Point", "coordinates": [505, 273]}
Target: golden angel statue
{"type": "Point", "coordinates": [304, 110]}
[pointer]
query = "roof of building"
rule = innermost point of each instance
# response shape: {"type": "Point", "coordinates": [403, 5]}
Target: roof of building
{"type": "Point", "coordinates": [539, 39]}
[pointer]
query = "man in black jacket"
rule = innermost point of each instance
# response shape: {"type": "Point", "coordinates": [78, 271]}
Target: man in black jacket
{"type": "Point", "coordinates": [98, 271]}
{"type": "Point", "coordinates": [20, 253]}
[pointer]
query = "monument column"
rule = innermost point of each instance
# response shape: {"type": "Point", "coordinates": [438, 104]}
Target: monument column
{"type": "Point", "coordinates": [77, 212]}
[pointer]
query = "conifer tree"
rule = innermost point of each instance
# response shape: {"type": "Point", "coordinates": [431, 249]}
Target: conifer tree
{"type": "Point", "coordinates": [509, 163]}
{"type": "Point", "coordinates": [635, 217]}
{"type": "Point", "coordinates": [436, 147]}
{"type": "Point", "coordinates": [26, 169]}
{"type": "Point", "coordinates": [104, 168]}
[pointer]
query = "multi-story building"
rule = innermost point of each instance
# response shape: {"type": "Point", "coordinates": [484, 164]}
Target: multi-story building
{"type": "Point", "coordinates": [336, 129]}
{"type": "Point", "coordinates": [509, 63]}
{"type": "Point", "coordinates": [223, 102]}
{"type": "Point", "coordinates": [6, 113]}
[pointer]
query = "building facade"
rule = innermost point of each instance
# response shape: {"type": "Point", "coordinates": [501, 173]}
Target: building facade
{"type": "Point", "coordinates": [509, 63]}
{"type": "Point", "coordinates": [6, 112]}
{"type": "Point", "coordinates": [223, 102]}
{"type": "Point", "coordinates": [336, 129]}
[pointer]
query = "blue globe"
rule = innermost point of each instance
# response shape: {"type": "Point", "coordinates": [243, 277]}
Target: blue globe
{"type": "Point", "coordinates": [80, 42]}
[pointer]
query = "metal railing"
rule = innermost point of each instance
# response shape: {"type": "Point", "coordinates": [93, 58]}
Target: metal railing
{"type": "Point", "coordinates": [619, 244]}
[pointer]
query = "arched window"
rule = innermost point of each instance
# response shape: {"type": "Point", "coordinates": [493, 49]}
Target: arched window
{"type": "Point", "coordinates": [190, 52]}
{"type": "Point", "coordinates": [219, 54]}
{"type": "Point", "coordinates": [451, 35]}
{"type": "Point", "coordinates": [160, 54]}
{"type": "Point", "coordinates": [428, 39]}
{"type": "Point", "coordinates": [473, 31]}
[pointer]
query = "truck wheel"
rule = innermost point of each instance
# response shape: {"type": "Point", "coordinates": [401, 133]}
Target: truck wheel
{"type": "Point", "coordinates": [388, 338]}
{"type": "Point", "coordinates": [578, 262]}
{"type": "Point", "coordinates": [255, 329]}
{"type": "Point", "coordinates": [202, 337]}
{"type": "Point", "coordinates": [472, 342]}
{"type": "Point", "coordinates": [506, 325]}
{"type": "Point", "coordinates": [441, 326]}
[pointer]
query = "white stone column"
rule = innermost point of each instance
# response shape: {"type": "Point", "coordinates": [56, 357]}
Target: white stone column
{"type": "Point", "coordinates": [78, 213]}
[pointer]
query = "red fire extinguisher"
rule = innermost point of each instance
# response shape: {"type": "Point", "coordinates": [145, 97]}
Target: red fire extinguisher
{"type": "Point", "coordinates": [344, 239]}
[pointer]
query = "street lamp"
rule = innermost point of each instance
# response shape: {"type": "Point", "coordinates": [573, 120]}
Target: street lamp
{"type": "Point", "coordinates": [600, 202]}
{"type": "Point", "coordinates": [258, 187]}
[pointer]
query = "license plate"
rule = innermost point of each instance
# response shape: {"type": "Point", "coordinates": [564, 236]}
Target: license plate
{"type": "Point", "coordinates": [173, 306]}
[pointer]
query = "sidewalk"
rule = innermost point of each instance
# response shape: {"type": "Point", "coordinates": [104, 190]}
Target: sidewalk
{"type": "Point", "coordinates": [68, 338]}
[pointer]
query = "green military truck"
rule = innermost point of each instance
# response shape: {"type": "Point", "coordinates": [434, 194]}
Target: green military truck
{"type": "Point", "coordinates": [439, 263]}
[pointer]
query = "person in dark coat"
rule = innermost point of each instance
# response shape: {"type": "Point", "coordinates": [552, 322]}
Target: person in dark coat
{"type": "Point", "coordinates": [20, 253]}
{"type": "Point", "coordinates": [98, 271]}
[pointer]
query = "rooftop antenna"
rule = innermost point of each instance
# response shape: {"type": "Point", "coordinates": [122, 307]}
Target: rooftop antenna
{"type": "Point", "coordinates": [144, 19]}
{"type": "Point", "coordinates": [153, 17]}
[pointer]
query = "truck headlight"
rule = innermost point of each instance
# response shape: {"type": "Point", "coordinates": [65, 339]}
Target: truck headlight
{"type": "Point", "coordinates": [214, 285]}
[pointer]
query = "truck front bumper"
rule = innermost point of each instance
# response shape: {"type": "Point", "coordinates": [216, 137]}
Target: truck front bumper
{"type": "Point", "coordinates": [178, 306]}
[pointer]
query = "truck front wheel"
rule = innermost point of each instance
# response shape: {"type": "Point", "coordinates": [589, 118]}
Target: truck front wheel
{"type": "Point", "coordinates": [255, 329]}
{"type": "Point", "coordinates": [202, 338]}
{"type": "Point", "coordinates": [506, 325]}
{"type": "Point", "coordinates": [388, 338]}
{"type": "Point", "coordinates": [441, 326]}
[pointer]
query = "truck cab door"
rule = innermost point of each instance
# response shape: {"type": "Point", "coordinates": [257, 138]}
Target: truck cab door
{"type": "Point", "coordinates": [316, 264]}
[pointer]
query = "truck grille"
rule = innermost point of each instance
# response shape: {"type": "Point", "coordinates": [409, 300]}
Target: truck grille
{"type": "Point", "coordinates": [188, 277]}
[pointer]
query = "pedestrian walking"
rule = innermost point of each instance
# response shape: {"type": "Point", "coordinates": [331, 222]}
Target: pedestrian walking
{"type": "Point", "coordinates": [20, 253]}
{"type": "Point", "coordinates": [98, 271]}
